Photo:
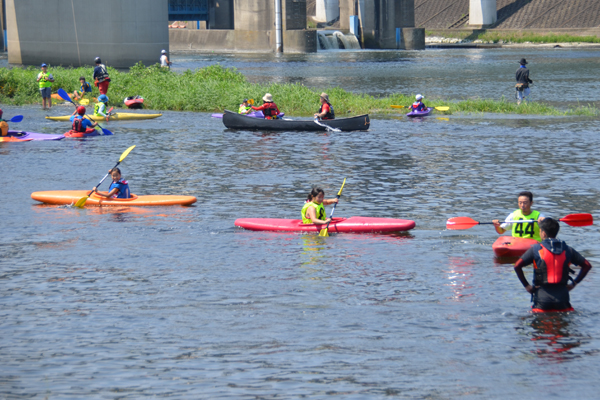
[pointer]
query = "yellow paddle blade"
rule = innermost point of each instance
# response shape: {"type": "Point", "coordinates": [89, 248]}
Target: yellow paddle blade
{"type": "Point", "coordinates": [81, 202]}
{"type": "Point", "coordinates": [442, 108]}
{"type": "Point", "coordinates": [84, 102]}
{"type": "Point", "coordinates": [324, 232]}
{"type": "Point", "coordinates": [342, 188]}
{"type": "Point", "coordinates": [443, 119]}
{"type": "Point", "coordinates": [126, 152]}
{"type": "Point", "coordinates": [394, 106]}
{"type": "Point", "coordinates": [251, 101]}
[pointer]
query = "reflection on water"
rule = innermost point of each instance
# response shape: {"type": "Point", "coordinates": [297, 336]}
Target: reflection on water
{"type": "Point", "coordinates": [553, 337]}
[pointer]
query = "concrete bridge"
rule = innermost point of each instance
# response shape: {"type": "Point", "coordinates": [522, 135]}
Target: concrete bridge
{"type": "Point", "coordinates": [123, 32]}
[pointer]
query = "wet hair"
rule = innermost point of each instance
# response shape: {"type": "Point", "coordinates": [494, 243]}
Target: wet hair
{"type": "Point", "coordinates": [527, 194]}
{"type": "Point", "coordinates": [550, 227]}
{"type": "Point", "coordinates": [314, 193]}
{"type": "Point", "coordinates": [82, 78]}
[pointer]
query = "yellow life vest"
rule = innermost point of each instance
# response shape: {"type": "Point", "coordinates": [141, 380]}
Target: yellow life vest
{"type": "Point", "coordinates": [529, 230]}
{"type": "Point", "coordinates": [44, 82]}
{"type": "Point", "coordinates": [243, 108]}
{"type": "Point", "coordinates": [97, 109]}
{"type": "Point", "coordinates": [319, 209]}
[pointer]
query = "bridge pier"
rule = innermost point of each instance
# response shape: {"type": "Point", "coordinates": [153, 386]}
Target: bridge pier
{"type": "Point", "coordinates": [62, 32]}
{"type": "Point", "coordinates": [380, 20]}
{"type": "Point", "coordinates": [482, 13]}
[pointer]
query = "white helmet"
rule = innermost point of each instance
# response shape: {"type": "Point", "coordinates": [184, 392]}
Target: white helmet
{"type": "Point", "coordinates": [419, 97]}
{"type": "Point", "coordinates": [163, 52]}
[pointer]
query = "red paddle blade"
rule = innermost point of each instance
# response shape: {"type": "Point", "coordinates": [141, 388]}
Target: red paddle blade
{"type": "Point", "coordinates": [460, 223]}
{"type": "Point", "coordinates": [578, 219]}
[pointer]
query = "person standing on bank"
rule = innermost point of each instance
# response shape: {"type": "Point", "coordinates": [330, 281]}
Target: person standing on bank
{"type": "Point", "coordinates": [101, 78]}
{"type": "Point", "coordinates": [523, 81]}
{"type": "Point", "coordinates": [164, 60]}
{"type": "Point", "coordinates": [551, 259]}
{"type": "Point", "coordinates": [45, 80]}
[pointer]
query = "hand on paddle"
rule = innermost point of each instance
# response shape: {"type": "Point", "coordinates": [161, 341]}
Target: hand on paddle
{"type": "Point", "coordinates": [65, 97]}
{"type": "Point", "coordinates": [458, 223]}
{"type": "Point", "coordinates": [324, 231]}
{"type": "Point", "coordinates": [81, 202]}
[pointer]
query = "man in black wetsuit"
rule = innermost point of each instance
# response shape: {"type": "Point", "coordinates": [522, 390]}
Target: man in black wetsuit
{"type": "Point", "coordinates": [523, 81]}
{"type": "Point", "coordinates": [551, 259]}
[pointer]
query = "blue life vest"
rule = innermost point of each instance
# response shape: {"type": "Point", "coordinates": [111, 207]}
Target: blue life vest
{"type": "Point", "coordinates": [123, 187]}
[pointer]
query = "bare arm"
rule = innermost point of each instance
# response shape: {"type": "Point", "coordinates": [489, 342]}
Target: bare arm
{"type": "Point", "coordinates": [311, 213]}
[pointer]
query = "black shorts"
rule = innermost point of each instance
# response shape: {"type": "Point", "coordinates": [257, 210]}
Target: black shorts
{"type": "Point", "coordinates": [551, 297]}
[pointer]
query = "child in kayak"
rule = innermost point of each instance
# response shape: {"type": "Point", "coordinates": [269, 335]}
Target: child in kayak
{"type": "Point", "coordinates": [269, 109]}
{"type": "Point", "coordinates": [119, 188]}
{"type": "Point", "coordinates": [418, 105]}
{"type": "Point", "coordinates": [85, 89]}
{"type": "Point", "coordinates": [80, 124]}
{"type": "Point", "coordinates": [313, 211]}
{"type": "Point", "coordinates": [100, 107]}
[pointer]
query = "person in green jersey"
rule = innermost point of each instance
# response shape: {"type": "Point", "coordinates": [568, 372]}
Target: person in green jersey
{"type": "Point", "coordinates": [529, 230]}
{"type": "Point", "coordinates": [313, 211]}
{"type": "Point", "coordinates": [45, 81]}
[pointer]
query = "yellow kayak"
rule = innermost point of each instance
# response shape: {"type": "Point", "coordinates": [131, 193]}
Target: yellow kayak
{"type": "Point", "coordinates": [118, 116]}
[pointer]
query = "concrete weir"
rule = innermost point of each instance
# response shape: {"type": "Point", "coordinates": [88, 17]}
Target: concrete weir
{"type": "Point", "coordinates": [74, 32]}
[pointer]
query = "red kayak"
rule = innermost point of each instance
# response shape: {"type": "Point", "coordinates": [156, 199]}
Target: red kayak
{"type": "Point", "coordinates": [508, 246]}
{"type": "Point", "coordinates": [338, 225]}
{"type": "Point", "coordinates": [88, 132]}
{"type": "Point", "coordinates": [539, 310]}
{"type": "Point", "coordinates": [134, 102]}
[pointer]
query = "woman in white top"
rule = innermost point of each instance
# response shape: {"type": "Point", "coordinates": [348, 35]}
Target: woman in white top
{"type": "Point", "coordinates": [164, 60]}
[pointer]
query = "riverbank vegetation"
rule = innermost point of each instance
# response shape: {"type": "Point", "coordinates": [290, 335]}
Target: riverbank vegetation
{"type": "Point", "coordinates": [507, 37]}
{"type": "Point", "coordinates": [214, 88]}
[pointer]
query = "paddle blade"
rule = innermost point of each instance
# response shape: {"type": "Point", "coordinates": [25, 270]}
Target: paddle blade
{"type": "Point", "coordinates": [442, 108]}
{"type": "Point", "coordinates": [457, 223]}
{"type": "Point", "coordinates": [395, 106]}
{"type": "Point", "coordinates": [81, 202]}
{"type": "Point", "coordinates": [342, 188]}
{"type": "Point", "coordinates": [106, 131]}
{"type": "Point", "coordinates": [578, 219]}
{"type": "Point", "coordinates": [16, 118]}
{"type": "Point", "coordinates": [126, 152]}
{"type": "Point", "coordinates": [324, 232]}
{"type": "Point", "coordinates": [251, 101]}
{"type": "Point", "coordinates": [65, 96]}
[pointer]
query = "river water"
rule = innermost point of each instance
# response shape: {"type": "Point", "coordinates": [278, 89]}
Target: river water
{"type": "Point", "coordinates": [175, 302]}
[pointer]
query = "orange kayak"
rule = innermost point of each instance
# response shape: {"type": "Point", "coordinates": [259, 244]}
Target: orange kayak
{"type": "Point", "coordinates": [68, 197]}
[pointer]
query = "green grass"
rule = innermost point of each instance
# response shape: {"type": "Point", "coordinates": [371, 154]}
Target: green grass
{"type": "Point", "coordinates": [522, 37]}
{"type": "Point", "coordinates": [215, 88]}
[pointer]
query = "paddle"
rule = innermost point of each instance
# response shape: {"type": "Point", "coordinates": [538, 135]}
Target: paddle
{"type": "Point", "coordinates": [324, 230]}
{"type": "Point", "coordinates": [329, 128]}
{"type": "Point", "coordinates": [16, 118]}
{"type": "Point", "coordinates": [457, 223]}
{"type": "Point", "coordinates": [66, 97]}
{"type": "Point", "coordinates": [441, 108]}
{"type": "Point", "coordinates": [81, 202]}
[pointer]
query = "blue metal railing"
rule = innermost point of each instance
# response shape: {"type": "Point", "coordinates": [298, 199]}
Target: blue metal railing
{"type": "Point", "coordinates": [188, 10]}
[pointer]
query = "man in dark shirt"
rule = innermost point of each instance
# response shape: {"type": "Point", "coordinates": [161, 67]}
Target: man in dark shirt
{"type": "Point", "coordinates": [523, 81]}
{"type": "Point", "coordinates": [551, 259]}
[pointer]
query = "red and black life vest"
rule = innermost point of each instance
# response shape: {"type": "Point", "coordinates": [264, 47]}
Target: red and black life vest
{"type": "Point", "coordinates": [270, 110]}
{"type": "Point", "coordinates": [550, 268]}
{"type": "Point", "coordinates": [78, 124]}
{"type": "Point", "coordinates": [330, 114]}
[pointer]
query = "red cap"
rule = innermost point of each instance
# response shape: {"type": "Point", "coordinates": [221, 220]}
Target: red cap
{"type": "Point", "coordinates": [81, 110]}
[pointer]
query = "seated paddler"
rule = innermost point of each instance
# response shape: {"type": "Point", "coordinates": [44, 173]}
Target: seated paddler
{"type": "Point", "coordinates": [101, 107]}
{"type": "Point", "coordinates": [326, 110]}
{"type": "Point", "coordinates": [80, 123]}
{"type": "Point", "coordinates": [244, 107]}
{"type": "Point", "coordinates": [313, 211]}
{"type": "Point", "coordinates": [269, 108]}
{"type": "Point", "coordinates": [418, 105]}
{"type": "Point", "coordinates": [119, 188]}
